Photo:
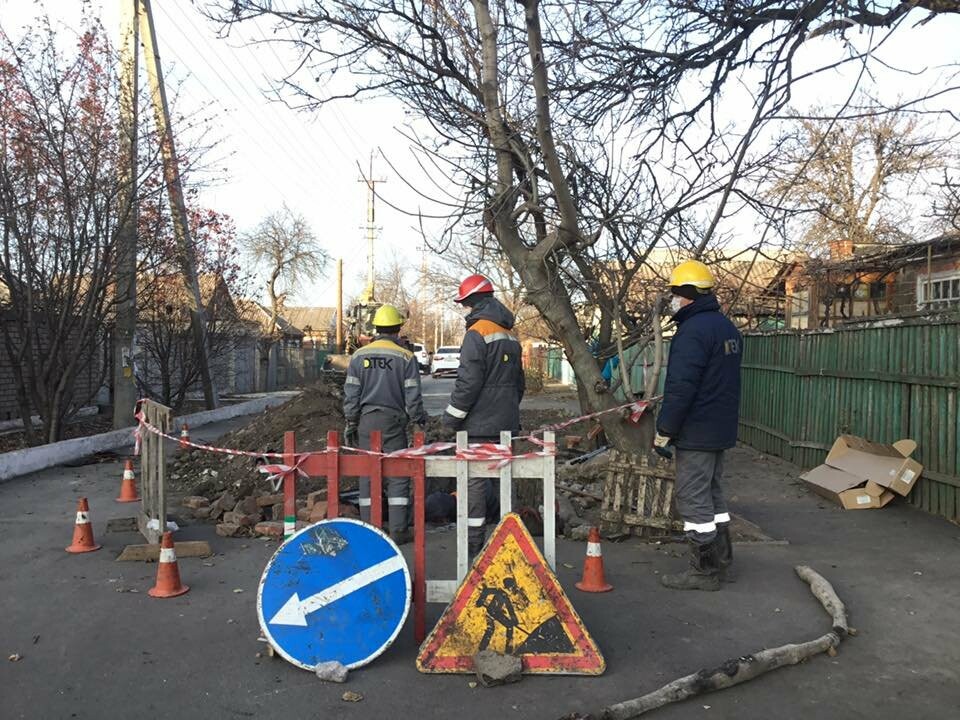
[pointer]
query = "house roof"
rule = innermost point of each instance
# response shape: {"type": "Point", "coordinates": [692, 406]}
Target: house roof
{"type": "Point", "coordinates": [318, 319]}
{"type": "Point", "coordinates": [885, 258]}
{"type": "Point", "coordinates": [292, 321]}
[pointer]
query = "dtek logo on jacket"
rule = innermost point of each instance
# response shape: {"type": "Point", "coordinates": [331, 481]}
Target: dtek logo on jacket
{"type": "Point", "coordinates": [383, 374]}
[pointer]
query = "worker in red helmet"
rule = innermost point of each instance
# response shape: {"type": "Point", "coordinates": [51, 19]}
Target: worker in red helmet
{"type": "Point", "coordinates": [489, 387]}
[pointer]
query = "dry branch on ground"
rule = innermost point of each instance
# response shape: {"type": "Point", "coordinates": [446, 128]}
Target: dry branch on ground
{"type": "Point", "coordinates": [739, 670]}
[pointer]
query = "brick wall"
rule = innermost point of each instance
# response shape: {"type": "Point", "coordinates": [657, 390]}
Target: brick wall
{"type": "Point", "coordinates": [84, 387]}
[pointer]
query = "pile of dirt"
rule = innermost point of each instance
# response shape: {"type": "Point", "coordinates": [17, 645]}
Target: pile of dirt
{"type": "Point", "coordinates": [310, 415]}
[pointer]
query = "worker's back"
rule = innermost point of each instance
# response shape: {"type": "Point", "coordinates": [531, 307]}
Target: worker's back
{"type": "Point", "coordinates": [379, 370]}
{"type": "Point", "coordinates": [490, 380]}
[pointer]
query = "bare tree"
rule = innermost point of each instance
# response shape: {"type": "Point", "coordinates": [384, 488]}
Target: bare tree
{"type": "Point", "coordinates": [576, 135]}
{"type": "Point", "coordinates": [946, 205]}
{"type": "Point", "coordinates": [168, 369]}
{"type": "Point", "coordinates": [285, 248]}
{"type": "Point", "coordinates": [850, 180]}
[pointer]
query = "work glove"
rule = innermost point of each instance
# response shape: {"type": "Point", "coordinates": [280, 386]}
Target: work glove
{"type": "Point", "coordinates": [662, 446]}
{"type": "Point", "coordinates": [449, 422]}
{"type": "Point", "coordinates": [351, 434]}
{"type": "Point", "coordinates": [446, 433]}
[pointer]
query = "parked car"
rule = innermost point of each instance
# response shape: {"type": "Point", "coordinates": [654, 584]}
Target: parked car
{"type": "Point", "coordinates": [423, 357]}
{"type": "Point", "coordinates": [446, 360]}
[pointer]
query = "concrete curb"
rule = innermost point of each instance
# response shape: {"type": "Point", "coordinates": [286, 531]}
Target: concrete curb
{"type": "Point", "coordinates": [21, 462]}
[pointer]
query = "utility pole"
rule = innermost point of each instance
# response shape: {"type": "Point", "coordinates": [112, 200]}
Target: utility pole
{"type": "Point", "coordinates": [178, 207]}
{"type": "Point", "coordinates": [369, 294]}
{"type": "Point", "coordinates": [125, 293]}
{"type": "Point", "coordinates": [422, 299]}
{"type": "Point", "coordinates": [339, 305]}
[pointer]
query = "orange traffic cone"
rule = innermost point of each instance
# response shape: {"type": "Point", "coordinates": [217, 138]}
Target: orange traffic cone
{"type": "Point", "coordinates": [128, 486]}
{"type": "Point", "coordinates": [168, 572]}
{"type": "Point", "coordinates": [184, 435]}
{"type": "Point", "coordinates": [83, 531]}
{"type": "Point", "coordinates": [593, 579]}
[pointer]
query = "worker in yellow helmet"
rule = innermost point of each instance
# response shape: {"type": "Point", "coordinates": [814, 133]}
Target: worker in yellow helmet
{"type": "Point", "coordinates": [382, 392]}
{"type": "Point", "coordinates": [698, 417]}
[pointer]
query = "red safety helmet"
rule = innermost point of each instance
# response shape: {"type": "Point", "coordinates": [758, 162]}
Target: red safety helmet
{"type": "Point", "coordinates": [472, 285]}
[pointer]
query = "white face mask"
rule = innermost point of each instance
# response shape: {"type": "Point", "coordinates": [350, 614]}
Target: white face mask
{"type": "Point", "coordinates": [676, 302]}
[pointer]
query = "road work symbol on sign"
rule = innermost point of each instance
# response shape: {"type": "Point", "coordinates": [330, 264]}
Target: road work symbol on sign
{"type": "Point", "coordinates": [511, 603]}
{"type": "Point", "coordinates": [337, 590]}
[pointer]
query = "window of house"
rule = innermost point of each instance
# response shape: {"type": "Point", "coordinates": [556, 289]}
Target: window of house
{"type": "Point", "coordinates": [938, 291]}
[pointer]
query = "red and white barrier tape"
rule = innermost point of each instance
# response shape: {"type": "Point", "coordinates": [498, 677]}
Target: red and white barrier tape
{"type": "Point", "coordinates": [474, 451]}
{"type": "Point", "coordinates": [275, 473]}
{"type": "Point", "coordinates": [637, 408]}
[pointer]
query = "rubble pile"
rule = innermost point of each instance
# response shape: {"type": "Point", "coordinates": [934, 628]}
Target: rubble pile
{"type": "Point", "coordinates": [259, 514]}
{"type": "Point", "coordinates": [231, 489]}
{"type": "Point", "coordinates": [580, 493]}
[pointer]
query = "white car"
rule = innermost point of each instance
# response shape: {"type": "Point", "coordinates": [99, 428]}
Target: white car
{"type": "Point", "coordinates": [423, 357]}
{"type": "Point", "coordinates": [446, 360]}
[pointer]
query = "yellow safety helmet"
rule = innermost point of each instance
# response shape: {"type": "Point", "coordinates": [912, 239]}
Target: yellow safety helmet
{"type": "Point", "coordinates": [387, 316]}
{"type": "Point", "coordinates": [692, 272]}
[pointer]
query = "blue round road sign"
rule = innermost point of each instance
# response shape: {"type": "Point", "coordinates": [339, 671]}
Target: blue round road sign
{"type": "Point", "coordinates": [337, 590]}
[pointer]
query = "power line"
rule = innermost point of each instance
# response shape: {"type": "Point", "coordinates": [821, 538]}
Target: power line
{"type": "Point", "coordinates": [280, 116]}
{"type": "Point", "coordinates": [334, 108]}
{"type": "Point", "coordinates": [294, 154]}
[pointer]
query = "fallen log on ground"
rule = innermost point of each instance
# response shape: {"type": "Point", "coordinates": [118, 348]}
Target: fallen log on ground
{"type": "Point", "coordinates": [739, 670]}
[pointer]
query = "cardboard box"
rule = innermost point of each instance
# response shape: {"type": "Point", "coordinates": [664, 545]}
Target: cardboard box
{"type": "Point", "coordinates": [868, 497]}
{"type": "Point", "coordinates": [862, 475]}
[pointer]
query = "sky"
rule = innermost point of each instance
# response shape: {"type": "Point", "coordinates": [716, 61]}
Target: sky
{"type": "Point", "coordinates": [270, 154]}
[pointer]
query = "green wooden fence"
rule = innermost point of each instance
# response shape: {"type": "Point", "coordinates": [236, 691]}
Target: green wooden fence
{"type": "Point", "coordinates": [884, 382]}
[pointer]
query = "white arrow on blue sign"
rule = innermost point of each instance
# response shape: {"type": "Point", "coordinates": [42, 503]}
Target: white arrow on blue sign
{"type": "Point", "coordinates": [337, 590]}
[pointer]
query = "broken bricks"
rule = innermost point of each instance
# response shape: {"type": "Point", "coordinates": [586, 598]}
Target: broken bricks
{"type": "Point", "coordinates": [195, 502]}
{"type": "Point", "coordinates": [269, 528]}
{"type": "Point", "coordinates": [268, 500]}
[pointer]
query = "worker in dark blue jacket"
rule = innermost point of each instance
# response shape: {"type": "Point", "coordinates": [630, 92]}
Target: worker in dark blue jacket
{"type": "Point", "coordinates": [698, 417]}
{"type": "Point", "coordinates": [490, 384]}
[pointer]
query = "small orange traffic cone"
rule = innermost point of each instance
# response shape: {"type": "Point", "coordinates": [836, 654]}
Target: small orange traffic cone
{"type": "Point", "coordinates": [184, 435]}
{"type": "Point", "coordinates": [593, 579]}
{"type": "Point", "coordinates": [168, 572]}
{"type": "Point", "coordinates": [128, 486]}
{"type": "Point", "coordinates": [83, 531]}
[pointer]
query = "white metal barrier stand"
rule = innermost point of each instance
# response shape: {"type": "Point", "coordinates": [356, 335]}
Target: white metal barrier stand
{"type": "Point", "coordinates": [540, 467]}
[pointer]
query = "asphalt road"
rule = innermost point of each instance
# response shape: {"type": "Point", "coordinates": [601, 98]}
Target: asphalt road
{"type": "Point", "coordinates": [436, 393]}
{"type": "Point", "coordinates": [94, 646]}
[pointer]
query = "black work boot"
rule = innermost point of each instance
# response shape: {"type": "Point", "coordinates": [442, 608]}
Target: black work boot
{"type": "Point", "coordinates": [725, 553]}
{"type": "Point", "coordinates": [703, 573]}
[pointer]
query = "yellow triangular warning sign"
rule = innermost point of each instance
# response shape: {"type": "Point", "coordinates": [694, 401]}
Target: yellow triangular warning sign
{"type": "Point", "coordinates": [511, 602]}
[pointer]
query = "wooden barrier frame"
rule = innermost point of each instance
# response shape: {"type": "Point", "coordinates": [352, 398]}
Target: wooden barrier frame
{"type": "Point", "coordinates": [336, 464]}
{"type": "Point", "coordinates": [153, 472]}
